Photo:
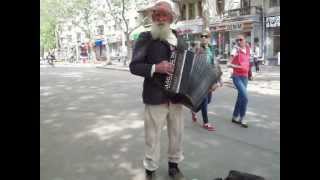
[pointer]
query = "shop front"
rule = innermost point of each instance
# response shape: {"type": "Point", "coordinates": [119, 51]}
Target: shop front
{"type": "Point", "coordinates": [224, 35]}
{"type": "Point", "coordinates": [273, 39]}
{"type": "Point", "coordinates": [114, 44]}
{"type": "Point", "coordinates": [100, 49]}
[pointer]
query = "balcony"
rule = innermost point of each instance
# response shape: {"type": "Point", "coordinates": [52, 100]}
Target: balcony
{"type": "Point", "coordinates": [253, 10]}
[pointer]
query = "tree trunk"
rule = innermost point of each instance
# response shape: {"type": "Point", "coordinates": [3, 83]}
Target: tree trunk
{"type": "Point", "coordinates": [205, 13]}
{"type": "Point", "coordinates": [108, 61]}
{"type": "Point", "coordinates": [129, 48]}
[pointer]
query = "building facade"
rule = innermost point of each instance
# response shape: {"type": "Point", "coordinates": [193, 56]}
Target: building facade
{"type": "Point", "coordinates": [192, 22]}
{"type": "Point", "coordinates": [105, 34]}
{"type": "Point", "coordinates": [258, 19]}
{"type": "Point", "coordinates": [242, 16]}
{"type": "Point", "coordinates": [272, 31]}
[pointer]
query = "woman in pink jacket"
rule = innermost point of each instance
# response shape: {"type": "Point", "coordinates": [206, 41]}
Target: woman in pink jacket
{"type": "Point", "coordinates": [240, 62]}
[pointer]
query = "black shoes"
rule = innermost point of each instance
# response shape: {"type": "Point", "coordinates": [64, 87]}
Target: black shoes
{"type": "Point", "coordinates": [241, 123]}
{"type": "Point", "coordinates": [174, 172]}
{"type": "Point", "coordinates": [234, 121]}
{"type": "Point", "coordinates": [150, 175]}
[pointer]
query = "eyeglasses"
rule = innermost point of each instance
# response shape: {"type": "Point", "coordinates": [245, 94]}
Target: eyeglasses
{"type": "Point", "coordinates": [204, 36]}
{"type": "Point", "coordinates": [239, 39]}
{"type": "Point", "coordinates": [161, 16]}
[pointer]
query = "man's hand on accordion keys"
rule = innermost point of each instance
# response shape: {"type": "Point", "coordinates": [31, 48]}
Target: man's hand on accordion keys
{"type": "Point", "coordinates": [164, 67]}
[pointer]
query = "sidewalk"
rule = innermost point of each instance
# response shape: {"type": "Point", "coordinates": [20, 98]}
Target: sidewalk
{"type": "Point", "coordinates": [266, 71]}
{"type": "Point", "coordinates": [114, 66]}
{"type": "Point", "coordinates": [119, 66]}
{"type": "Point", "coordinates": [66, 64]}
{"type": "Point", "coordinates": [267, 81]}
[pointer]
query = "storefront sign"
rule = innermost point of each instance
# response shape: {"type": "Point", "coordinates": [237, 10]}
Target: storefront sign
{"type": "Point", "coordinates": [198, 22]}
{"type": "Point", "coordinates": [184, 31]}
{"type": "Point", "coordinates": [189, 26]}
{"type": "Point", "coordinates": [234, 27]}
{"type": "Point", "coordinates": [240, 26]}
{"type": "Point", "coordinates": [189, 29]}
{"type": "Point", "coordinates": [273, 21]}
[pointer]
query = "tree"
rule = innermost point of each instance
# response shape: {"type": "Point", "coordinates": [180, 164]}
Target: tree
{"type": "Point", "coordinates": [84, 13]}
{"type": "Point", "coordinates": [51, 14]}
{"type": "Point", "coordinates": [118, 10]}
{"type": "Point", "coordinates": [54, 12]}
{"type": "Point", "coordinates": [47, 26]}
{"type": "Point", "coordinates": [47, 34]}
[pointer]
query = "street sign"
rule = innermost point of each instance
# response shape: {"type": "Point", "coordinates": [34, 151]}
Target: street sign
{"type": "Point", "coordinates": [273, 21]}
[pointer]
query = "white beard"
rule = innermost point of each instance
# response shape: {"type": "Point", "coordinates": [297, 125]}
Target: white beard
{"type": "Point", "coordinates": [160, 32]}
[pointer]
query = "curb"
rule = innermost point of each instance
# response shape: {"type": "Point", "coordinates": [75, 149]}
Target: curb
{"type": "Point", "coordinates": [113, 68]}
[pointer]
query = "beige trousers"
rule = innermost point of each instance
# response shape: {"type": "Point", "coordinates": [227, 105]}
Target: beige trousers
{"type": "Point", "coordinates": [155, 118]}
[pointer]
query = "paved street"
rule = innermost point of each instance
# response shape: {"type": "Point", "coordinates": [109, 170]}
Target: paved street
{"type": "Point", "coordinates": [91, 128]}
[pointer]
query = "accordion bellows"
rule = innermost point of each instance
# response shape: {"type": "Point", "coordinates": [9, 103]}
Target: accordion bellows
{"type": "Point", "coordinates": [192, 78]}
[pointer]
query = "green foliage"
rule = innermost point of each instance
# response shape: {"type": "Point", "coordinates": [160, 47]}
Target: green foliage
{"type": "Point", "coordinates": [47, 34]}
{"type": "Point", "coordinates": [51, 12]}
{"type": "Point", "coordinates": [81, 13]}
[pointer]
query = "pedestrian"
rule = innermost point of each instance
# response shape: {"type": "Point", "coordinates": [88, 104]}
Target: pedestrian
{"type": "Point", "coordinates": [208, 50]}
{"type": "Point", "coordinates": [250, 77]}
{"type": "Point", "coordinates": [256, 55]}
{"type": "Point", "coordinates": [150, 60]}
{"type": "Point", "coordinates": [83, 52]}
{"type": "Point", "coordinates": [239, 61]}
{"type": "Point", "coordinates": [50, 58]}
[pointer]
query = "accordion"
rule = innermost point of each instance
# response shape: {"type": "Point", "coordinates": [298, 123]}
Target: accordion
{"type": "Point", "coordinates": [192, 77]}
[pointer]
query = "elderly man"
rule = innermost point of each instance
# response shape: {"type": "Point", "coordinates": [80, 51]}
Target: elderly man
{"type": "Point", "coordinates": [150, 60]}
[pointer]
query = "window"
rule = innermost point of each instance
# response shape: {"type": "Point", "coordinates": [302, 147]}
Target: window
{"type": "Point", "coordinates": [276, 41]}
{"type": "Point", "coordinates": [220, 6]}
{"type": "Point", "coordinates": [184, 12]}
{"type": "Point", "coordinates": [191, 11]}
{"type": "Point", "coordinates": [69, 37]}
{"type": "Point", "coordinates": [78, 36]}
{"type": "Point", "coordinates": [245, 3]}
{"type": "Point", "coordinates": [200, 8]}
{"type": "Point", "coordinates": [274, 3]}
{"type": "Point", "coordinates": [100, 30]}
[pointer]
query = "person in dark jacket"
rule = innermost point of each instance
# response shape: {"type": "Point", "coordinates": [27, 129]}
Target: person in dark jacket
{"type": "Point", "coordinates": [150, 60]}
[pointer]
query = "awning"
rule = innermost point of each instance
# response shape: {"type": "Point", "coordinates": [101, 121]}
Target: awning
{"type": "Point", "coordinates": [99, 42]}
